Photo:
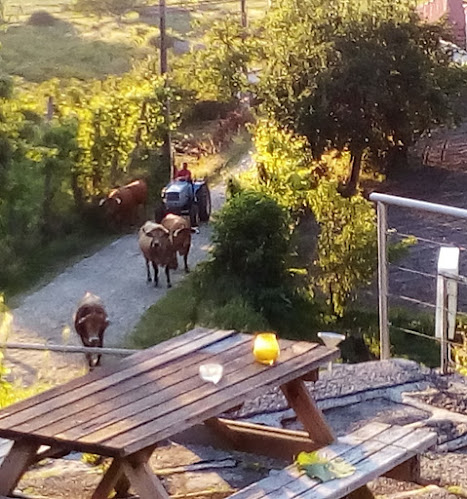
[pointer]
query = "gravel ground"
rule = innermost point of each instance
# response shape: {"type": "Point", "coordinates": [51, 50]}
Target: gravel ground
{"type": "Point", "coordinates": [346, 379]}
{"type": "Point", "coordinates": [117, 274]}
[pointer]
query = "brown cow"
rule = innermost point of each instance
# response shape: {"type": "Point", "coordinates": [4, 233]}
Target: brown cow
{"type": "Point", "coordinates": [91, 321]}
{"type": "Point", "coordinates": [156, 245]}
{"type": "Point", "coordinates": [121, 204]}
{"type": "Point", "coordinates": [180, 230]}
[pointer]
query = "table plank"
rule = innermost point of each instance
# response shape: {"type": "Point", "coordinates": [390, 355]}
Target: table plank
{"type": "Point", "coordinates": [135, 359]}
{"type": "Point", "coordinates": [181, 380]}
{"type": "Point", "coordinates": [239, 369]}
{"type": "Point", "coordinates": [118, 397]}
{"type": "Point", "coordinates": [254, 380]}
{"type": "Point", "coordinates": [69, 393]}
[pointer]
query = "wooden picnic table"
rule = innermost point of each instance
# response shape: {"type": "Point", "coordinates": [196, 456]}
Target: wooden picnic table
{"type": "Point", "coordinates": [124, 411]}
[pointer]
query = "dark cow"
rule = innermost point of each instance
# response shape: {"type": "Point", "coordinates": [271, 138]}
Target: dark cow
{"type": "Point", "coordinates": [121, 204]}
{"type": "Point", "coordinates": [90, 323]}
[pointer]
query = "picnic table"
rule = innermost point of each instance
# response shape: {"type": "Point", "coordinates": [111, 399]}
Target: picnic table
{"type": "Point", "coordinates": [126, 410]}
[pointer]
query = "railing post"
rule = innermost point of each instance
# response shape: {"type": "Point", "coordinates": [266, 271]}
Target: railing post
{"type": "Point", "coordinates": [446, 301]}
{"type": "Point", "coordinates": [383, 282]}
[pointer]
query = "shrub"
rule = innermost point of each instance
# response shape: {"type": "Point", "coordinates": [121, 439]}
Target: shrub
{"type": "Point", "coordinates": [251, 240]}
{"type": "Point", "coordinates": [42, 18]}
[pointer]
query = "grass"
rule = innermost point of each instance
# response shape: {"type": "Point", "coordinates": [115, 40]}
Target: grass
{"type": "Point", "coordinates": [40, 53]}
{"type": "Point", "coordinates": [89, 47]}
{"type": "Point", "coordinates": [183, 307]}
{"type": "Point", "coordinates": [52, 259]}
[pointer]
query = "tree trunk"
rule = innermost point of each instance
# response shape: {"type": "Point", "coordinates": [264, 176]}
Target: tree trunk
{"type": "Point", "coordinates": [354, 174]}
{"type": "Point", "coordinates": [47, 202]}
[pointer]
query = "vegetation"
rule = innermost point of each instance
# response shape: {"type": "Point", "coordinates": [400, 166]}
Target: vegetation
{"type": "Point", "coordinates": [54, 170]}
{"type": "Point", "coordinates": [108, 7]}
{"type": "Point", "coordinates": [345, 254]}
{"type": "Point", "coordinates": [293, 246]}
{"type": "Point", "coordinates": [334, 71]}
{"type": "Point", "coordinates": [218, 71]}
{"type": "Point", "coordinates": [9, 392]}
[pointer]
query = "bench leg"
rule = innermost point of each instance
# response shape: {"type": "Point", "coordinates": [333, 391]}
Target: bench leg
{"type": "Point", "coordinates": [307, 412]}
{"type": "Point", "coordinates": [361, 493]}
{"type": "Point", "coordinates": [15, 464]}
{"type": "Point", "coordinates": [406, 472]}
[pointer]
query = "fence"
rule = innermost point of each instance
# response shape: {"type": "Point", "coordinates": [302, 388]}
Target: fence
{"type": "Point", "coordinates": [446, 305]}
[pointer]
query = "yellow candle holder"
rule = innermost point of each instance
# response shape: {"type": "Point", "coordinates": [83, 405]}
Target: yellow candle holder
{"type": "Point", "coordinates": [266, 348]}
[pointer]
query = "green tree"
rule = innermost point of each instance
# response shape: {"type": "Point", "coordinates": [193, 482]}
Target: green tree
{"type": "Point", "coordinates": [219, 70]}
{"type": "Point", "coordinates": [345, 254]}
{"type": "Point", "coordinates": [364, 79]}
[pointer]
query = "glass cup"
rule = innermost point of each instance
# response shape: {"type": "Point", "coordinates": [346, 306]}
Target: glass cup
{"type": "Point", "coordinates": [266, 348]}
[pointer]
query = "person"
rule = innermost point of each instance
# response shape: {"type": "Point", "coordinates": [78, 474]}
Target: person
{"type": "Point", "coordinates": [184, 173]}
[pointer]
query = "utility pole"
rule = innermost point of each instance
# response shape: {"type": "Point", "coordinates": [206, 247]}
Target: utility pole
{"type": "Point", "coordinates": [243, 9]}
{"type": "Point", "coordinates": [167, 147]}
{"type": "Point", "coordinates": [163, 35]}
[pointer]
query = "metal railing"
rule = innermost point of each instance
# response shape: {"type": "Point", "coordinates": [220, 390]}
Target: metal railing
{"type": "Point", "coordinates": [67, 348]}
{"type": "Point", "coordinates": [383, 201]}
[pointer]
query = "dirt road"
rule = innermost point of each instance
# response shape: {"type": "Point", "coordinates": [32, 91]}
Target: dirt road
{"type": "Point", "coordinates": [117, 274]}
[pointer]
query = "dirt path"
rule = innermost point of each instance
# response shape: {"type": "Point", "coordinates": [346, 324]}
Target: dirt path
{"type": "Point", "coordinates": [117, 274]}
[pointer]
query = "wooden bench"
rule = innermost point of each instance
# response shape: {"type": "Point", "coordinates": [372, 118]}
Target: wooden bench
{"type": "Point", "coordinates": [374, 450]}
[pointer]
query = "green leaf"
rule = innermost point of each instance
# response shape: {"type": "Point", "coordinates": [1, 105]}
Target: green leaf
{"type": "Point", "coordinates": [322, 469]}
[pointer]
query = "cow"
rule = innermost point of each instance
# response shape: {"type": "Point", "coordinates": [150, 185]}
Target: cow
{"type": "Point", "coordinates": [91, 321]}
{"type": "Point", "coordinates": [180, 230]}
{"type": "Point", "coordinates": [121, 204]}
{"type": "Point", "coordinates": [156, 245]}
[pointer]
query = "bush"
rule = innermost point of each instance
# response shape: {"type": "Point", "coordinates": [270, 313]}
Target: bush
{"type": "Point", "coordinates": [42, 18]}
{"type": "Point", "coordinates": [251, 240]}
{"type": "Point", "coordinates": [209, 110]}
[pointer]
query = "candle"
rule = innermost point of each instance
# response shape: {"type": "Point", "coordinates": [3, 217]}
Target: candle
{"type": "Point", "coordinates": [266, 348]}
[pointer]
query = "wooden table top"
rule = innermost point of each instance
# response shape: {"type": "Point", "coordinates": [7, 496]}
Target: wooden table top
{"type": "Point", "coordinates": [155, 394]}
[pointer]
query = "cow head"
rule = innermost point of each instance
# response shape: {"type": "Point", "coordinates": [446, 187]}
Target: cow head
{"type": "Point", "coordinates": [92, 326]}
{"type": "Point", "coordinates": [160, 236]}
{"type": "Point", "coordinates": [111, 204]}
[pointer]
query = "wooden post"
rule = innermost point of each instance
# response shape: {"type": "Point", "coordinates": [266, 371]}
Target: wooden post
{"type": "Point", "coordinates": [167, 146]}
{"type": "Point", "coordinates": [244, 15]}
{"type": "Point", "coordinates": [50, 108]}
{"type": "Point", "coordinates": [383, 282]}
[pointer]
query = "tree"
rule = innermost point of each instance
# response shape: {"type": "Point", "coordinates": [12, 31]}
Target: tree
{"type": "Point", "coordinates": [219, 70]}
{"type": "Point", "coordinates": [363, 79]}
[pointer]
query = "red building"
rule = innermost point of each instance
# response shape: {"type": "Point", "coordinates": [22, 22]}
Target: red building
{"type": "Point", "coordinates": [455, 10]}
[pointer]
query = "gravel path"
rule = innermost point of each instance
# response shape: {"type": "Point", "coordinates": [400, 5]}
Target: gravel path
{"type": "Point", "coordinates": [117, 274]}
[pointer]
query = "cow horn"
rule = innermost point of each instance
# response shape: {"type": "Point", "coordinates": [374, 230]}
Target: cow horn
{"type": "Point", "coordinates": [81, 321]}
{"type": "Point", "coordinates": [119, 200]}
{"type": "Point", "coordinates": [184, 229]}
{"type": "Point", "coordinates": [102, 201]}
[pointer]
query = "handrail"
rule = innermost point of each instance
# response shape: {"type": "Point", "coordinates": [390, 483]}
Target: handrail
{"type": "Point", "coordinates": [418, 205]}
{"type": "Point", "coordinates": [67, 348]}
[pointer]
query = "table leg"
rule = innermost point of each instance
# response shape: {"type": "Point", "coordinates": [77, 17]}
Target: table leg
{"type": "Point", "coordinates": [15, 464]}
{"type": "Point", "coordinates": [109, 480]}
{"type": "Point", "coordinates": [144, 481]}
{"type": "Point", "coordinates": [122, 487]}
{"type": "Point", "coordinates": [307, 412]}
